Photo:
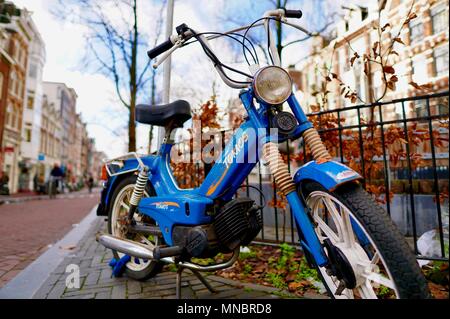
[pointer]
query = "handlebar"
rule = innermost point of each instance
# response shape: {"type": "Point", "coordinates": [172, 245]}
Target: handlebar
{"type": "Point", "coordinates": [160, 48]}
{"type": "Point", "coordinates": [185, 33]}
{"type": "Point", "coordinates": [297, 14]}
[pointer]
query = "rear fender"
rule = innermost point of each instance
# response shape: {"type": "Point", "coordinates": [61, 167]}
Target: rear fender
{"type": "Point", "coordinates": [130, 165]}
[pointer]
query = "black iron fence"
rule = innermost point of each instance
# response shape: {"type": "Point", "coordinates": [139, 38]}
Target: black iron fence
{"type": "Point", "coordinates": [400, 147]}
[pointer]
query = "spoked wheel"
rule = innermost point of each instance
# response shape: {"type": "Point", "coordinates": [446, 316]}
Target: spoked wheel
{"type": "Point", "coordinates": [136, 268]}
{"type": "Point", "coordinates": [369, 257]}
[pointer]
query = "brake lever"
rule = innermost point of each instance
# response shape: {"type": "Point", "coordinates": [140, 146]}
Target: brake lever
{"type": "Point", "coordinates": [166, 54]}
{"type": "Point", "coordinates": [298, 27]}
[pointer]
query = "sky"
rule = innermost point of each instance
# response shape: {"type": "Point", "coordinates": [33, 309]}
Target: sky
{"type": "Point", "coordinates": [192, 74]}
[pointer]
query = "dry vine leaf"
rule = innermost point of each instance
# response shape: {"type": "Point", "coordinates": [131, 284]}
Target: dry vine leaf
{"type": "Point", "coordinates": [388, 69]}
{"type": "Point", "coordinates": [390, 85]}
{"type": "Point", "coordinates": [387, 25]}
{"type": "Point", "coordinates": [393, 78]}
{"type": "Point", "coordinates": [410, 17]}
{"type": "Point", "coordinates": [423, 87]}
{"type": "Point", "coordinates": [399, 40]}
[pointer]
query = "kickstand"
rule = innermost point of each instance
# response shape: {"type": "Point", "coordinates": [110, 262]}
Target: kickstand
{"type": "Point", "coordinates": [197, 274]}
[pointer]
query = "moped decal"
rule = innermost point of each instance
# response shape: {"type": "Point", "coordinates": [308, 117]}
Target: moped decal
{"type": "Point", "coordinates": [165, 205]}
{"type": "Point", "coordinates": [228, 160]}
{"type": "Point", "coordinates": [213, 187]}
{"type": "Point", "coordinates": [346, 174]}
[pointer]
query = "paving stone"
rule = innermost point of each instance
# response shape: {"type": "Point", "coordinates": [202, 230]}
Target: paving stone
{"type": "Point", "coordinates": [119, 292]}
{"type": "Point", "coordinates": [88, 291]}
{"type": "Point", "coordinates": [134, 287]}
{"type": "Point", "coordinates": [87, 296]}
{"type": "Point", "coordinates": [103, 295]}
{"type": "Point", "coordinates": [57, 290]}
{"type": "Point", "coordinates": [92, 278]}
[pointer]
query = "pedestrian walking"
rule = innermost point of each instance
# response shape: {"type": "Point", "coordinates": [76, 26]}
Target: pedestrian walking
{"type": "Point", "coordinates": [56, 176]}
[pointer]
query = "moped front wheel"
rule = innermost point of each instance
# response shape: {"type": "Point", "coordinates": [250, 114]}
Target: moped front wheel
{"type": "Point", "coordinates": [136, 268]}
{"type": "Point", "coordinates": [369, 257]}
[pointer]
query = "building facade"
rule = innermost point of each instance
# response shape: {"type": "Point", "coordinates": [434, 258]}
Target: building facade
{"type": "Point", "coordinates": [32, 112]}
{"type": "Point", "coordinates": [50, 140]}
{"type": "Point", "coordinates": [64, 100]}
{"type": "Point", "coordinates": [5, 64]}
{"type": "Point", "coordinates": [423, 58]}
{"type": "Point", "coordinates": [82, 148]}
{"type": "Point", "coordinates": [20, 37]}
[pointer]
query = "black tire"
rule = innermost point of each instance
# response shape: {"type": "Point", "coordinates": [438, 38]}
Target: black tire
{"type": "Point", "coordinates": [398, 256]}
{"type": "Point", "coordinates": [153, 267]}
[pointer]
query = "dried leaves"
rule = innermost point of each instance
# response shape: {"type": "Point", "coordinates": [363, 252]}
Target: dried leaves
{"type": "Point", "coordinates": [423, 87]}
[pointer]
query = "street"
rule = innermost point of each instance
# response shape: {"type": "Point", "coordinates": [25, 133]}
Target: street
{"type": "Point", "coordinates": [28, 228]}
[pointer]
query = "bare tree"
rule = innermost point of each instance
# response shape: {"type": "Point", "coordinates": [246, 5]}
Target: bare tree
{"type": "Point", "coordinates": [113, 47]}
{"type": "Point", "coordinates": [319, 22]}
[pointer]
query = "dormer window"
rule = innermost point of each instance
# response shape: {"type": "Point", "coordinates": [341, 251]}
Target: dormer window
{"type": "Point", "coordinates": [364, 14]}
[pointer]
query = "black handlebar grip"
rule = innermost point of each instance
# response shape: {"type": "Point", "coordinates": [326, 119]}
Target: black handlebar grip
{"type": "Point", "coordinates": [293, 13]}
{"type": "Point", "coordinates": [161, 48]}
{"type": "Point", "coordinates": [162, 252]}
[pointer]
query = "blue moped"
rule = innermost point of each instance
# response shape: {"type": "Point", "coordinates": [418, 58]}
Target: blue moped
{"type": "Point", "coordinates": [350, 240]}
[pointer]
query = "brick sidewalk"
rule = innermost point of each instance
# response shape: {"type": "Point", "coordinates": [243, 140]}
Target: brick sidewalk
{"type": "Point", "coordinates": [96, 281]}
{"type": "Point", "coordinates": [28, 228]}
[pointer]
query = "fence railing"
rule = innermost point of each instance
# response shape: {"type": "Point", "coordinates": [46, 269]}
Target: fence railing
{"type": "Point", "coordinates": [400, 147]}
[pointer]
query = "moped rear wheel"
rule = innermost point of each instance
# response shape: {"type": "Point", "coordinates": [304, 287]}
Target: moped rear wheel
{"type": "Point", "coordinates": [370, 257]}
{"type": "Point", "coordinates": [136, 268]}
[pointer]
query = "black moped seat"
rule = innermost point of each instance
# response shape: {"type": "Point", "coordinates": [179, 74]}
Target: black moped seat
{"type": "Point", "coordinates": [172, 114]}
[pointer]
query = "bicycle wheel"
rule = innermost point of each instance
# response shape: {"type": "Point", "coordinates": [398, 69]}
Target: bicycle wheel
{"type": "Point", "coordinates": [369, 257]}
{"type": "Point", "coordinates": [136, 268]}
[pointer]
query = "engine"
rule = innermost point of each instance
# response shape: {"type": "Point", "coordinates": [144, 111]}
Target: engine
{"type": "Point", "coordinates": [237, 223]}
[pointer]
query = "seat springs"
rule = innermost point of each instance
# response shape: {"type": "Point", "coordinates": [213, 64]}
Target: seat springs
{"type": "Point", "coordinates": [318, 150]}
{"type": "Point", "coordinates": [139, 187]}
{"type": "Point", "coordinates": [278, 168]}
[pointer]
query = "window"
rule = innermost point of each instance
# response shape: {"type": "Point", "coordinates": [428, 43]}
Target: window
{"type": "Point", "coordinates": [419, 70]}
{"type": "Point", "coordinates": [12, 81]}
{"type": "Point", "coordinates": [416, 30]}
{"type": "Point", "coordinates": [421, 108]}
{"type": "Point", "coordinates": [28, 135]}
{"type": "Point", "coordinates": [439, 17]}
{"type": "Point", "coordinates": [441, 60]}
{"type": "Point", "coordinates": [30, 102]}
{"type": "Point", "coordinates": [33, 70]}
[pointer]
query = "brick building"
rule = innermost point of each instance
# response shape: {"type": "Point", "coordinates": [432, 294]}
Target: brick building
{"type": "Point", "coordinates": [19, 40]}
{"type": "Point", "coordinates": [5, 64]}
{"type": "Point", "coordinates": [422, 59]}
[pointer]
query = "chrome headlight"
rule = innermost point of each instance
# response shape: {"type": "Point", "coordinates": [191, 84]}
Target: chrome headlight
{"type": "Point", "coordinates": [272, 85]}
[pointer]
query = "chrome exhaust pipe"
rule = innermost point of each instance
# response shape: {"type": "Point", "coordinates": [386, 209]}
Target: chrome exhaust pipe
{"type": "Point", "coordinates": [125, 246]}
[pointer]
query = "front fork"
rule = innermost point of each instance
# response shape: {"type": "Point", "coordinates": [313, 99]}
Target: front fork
{"type": "Point", "coordinates": [283, 179]}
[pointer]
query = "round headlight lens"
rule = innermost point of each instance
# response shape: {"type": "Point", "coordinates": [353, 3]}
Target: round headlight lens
{"type": "Point", "coordinates": [272, 85]}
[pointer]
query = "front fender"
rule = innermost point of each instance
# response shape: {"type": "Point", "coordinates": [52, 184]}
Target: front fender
{"type": "Point", "coordinates": [329, 174]}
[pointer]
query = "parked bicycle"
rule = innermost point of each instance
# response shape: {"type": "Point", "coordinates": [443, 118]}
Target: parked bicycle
{"type": "Point", "coordinates": [344, 233]}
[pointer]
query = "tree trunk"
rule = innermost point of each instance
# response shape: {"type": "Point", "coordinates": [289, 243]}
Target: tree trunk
{"type": "Point", "coordinates": [133, 84]}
